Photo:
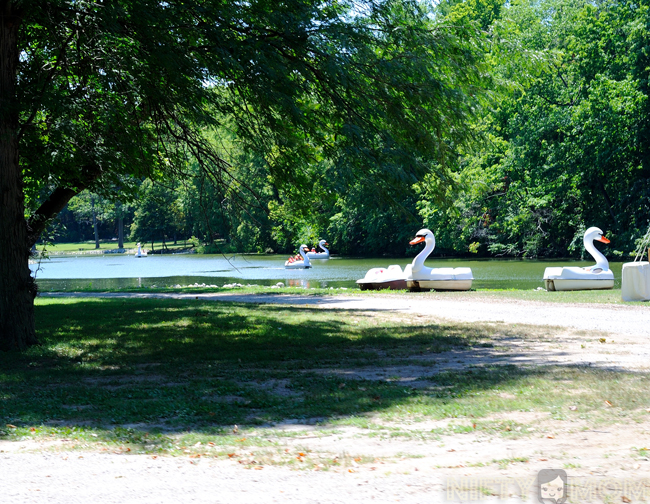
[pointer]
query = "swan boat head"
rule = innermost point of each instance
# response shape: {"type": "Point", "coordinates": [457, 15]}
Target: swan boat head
{"type": "Point", "coordinates": [423, 235]}
{"type": "Point", "coordinates": [595, 234]}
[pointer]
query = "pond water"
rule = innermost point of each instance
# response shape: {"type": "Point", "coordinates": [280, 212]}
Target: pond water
{"type": "Point", "coordinates": [108, 271]}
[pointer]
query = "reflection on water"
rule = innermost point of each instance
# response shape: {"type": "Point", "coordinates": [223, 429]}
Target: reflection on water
{"type": "Point", "coordinates": [112, 271]}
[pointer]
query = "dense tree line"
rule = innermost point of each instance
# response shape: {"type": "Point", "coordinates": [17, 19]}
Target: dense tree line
{"type": "Point", "coordinates": [563, 144]}
{"type": "Point", "coordinates": [569, 148]}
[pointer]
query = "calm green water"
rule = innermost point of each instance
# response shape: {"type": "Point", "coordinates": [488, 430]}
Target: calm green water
{"type": "Point", "coordinates": [110, 271]}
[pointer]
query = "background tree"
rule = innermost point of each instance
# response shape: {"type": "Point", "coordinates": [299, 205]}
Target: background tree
{"type": "Point", "coordinates": [90, 208]}
{"type": "Point", "coordinates": [156, 214]}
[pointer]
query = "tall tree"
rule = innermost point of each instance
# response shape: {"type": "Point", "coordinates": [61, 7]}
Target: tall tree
{"type": "Point", "coordinates": [91, 90]}
{"type": "Point", "coordinates": [89, 208]}
{"type": "Point", "coordinates": [155, 215]}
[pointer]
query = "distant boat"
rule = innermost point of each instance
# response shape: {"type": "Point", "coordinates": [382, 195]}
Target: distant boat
{"type": "Point", "coordinates": [140, 252]}
{"type": "Point", "coordinates": [325, 254]}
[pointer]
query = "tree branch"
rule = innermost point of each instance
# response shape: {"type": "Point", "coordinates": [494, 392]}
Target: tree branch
{"type": "Point", "coordinates": [59, 198]}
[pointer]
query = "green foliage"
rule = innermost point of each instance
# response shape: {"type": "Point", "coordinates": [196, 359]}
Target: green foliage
{"type": "Point", "coordinates": [322, 122]}
{"type": "Point", "coordinates": [568, 149]}
{"type": "Point", "coordinates": [276, 110]}
{"type": "Point", "coordinates": [157, 216]}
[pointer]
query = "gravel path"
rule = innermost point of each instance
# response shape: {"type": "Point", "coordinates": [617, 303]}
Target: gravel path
{"type": "Point", "coordinates": [71, 478]}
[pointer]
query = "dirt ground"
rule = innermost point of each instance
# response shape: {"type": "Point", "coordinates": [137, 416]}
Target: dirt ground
{"type": "Point", "coordinates": [603, 465]}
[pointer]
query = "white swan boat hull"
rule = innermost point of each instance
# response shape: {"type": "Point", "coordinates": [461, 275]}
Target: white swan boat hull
{"type": "Point", "coordinates": [421, 278]}
{"type": "Point", "coordinates": [296, 265]}
{"type": "Point", "coordinates": [140, 253]}
{"type": "Point", "coordinates": [439, 279]}
{"type": "Point", "coordinates": [597, 277]}
{"type": "Point", "coordinates": [423, 285]}
{"type": "Point", "coordinates": [323, 254]}
{"type": "Point", "coordinates": [416, 276]}
{"type": "Point", "coordinates": [571, 278]}
{"type": "Point", "coordinates": [572, 285]}
{"type": "Point", "coordinates": [383, 278]}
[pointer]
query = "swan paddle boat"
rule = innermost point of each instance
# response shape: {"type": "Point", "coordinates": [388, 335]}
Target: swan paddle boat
{"type": "Point", "coordinates": [575, 278]}
{"type": "Point", "coordinates": [421, 278]}
{"type": "Point", "coordinates": [320, 255]}
{"type": "Point", "coordinates": [383, 278]}
{"type": "Point", "coordinates": [304, 264]}
{"type": "Point", "coordinates": [416, 276]}
{"type": "Point", "coordinates": [140, 252]}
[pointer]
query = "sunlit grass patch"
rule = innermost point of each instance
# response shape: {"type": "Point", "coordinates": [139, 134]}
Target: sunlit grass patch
{"type": "Point", "coordinates": [174, 368]}
{"type": "Point", "coordinates": [612, 296]}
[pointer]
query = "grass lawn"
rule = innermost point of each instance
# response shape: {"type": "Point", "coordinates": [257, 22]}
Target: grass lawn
{"type": "Point", "coordinates": [612, 296]}
{"type": "Point", "coordinates": [174, 376]}
{"type": "Point", "coordinates": [87, 246]}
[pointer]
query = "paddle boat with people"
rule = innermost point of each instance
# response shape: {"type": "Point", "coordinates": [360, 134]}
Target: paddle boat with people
{"type": "Point", "coordinates": [300, 261]}
{"type": "Point", "coordinates": [140, 252]}
{"type": "Point", "coordinates": [599, 276]}
{"type": "Point", "coordinates": [315, 254]}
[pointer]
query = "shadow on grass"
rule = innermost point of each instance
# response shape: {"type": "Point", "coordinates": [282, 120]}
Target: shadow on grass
{"type": "Point", "coordinates": [176, 365]}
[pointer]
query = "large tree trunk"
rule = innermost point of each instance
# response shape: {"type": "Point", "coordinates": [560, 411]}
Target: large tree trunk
{"type": "Point", "coordinates": [17, 287]}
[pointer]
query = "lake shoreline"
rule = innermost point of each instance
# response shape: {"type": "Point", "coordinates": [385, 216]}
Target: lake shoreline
{"type": "Point", "coordinates": [114, 271]}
